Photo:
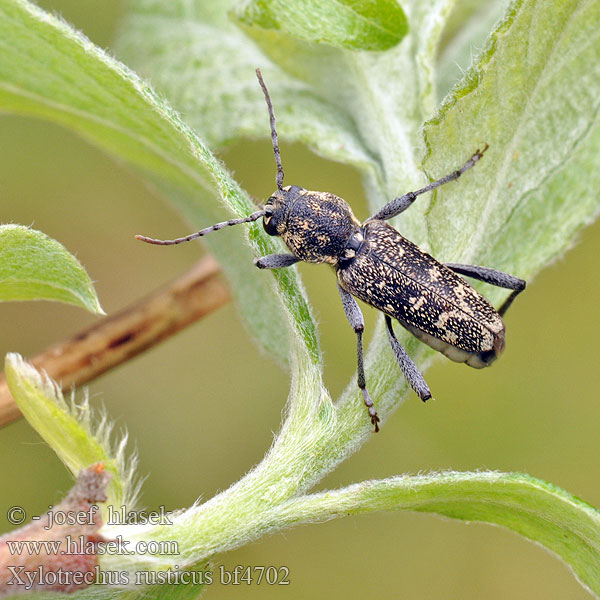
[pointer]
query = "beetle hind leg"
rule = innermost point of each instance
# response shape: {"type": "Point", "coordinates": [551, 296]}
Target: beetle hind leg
{"type": "Point", "coordinates": [493, 277]}
{"type": "Point", "coordinates": [410, 370]}
{"type": "Point", "coordinates": [357, 321]}
{"type": "Point", "coordinates": [362, 384]}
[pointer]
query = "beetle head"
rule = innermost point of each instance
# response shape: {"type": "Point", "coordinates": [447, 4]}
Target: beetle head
{"type": "Point", "coordinates": [277, 209]}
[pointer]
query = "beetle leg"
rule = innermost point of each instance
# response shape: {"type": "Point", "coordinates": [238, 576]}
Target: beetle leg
{"type": "Point", "coordinates": [357, 321]}
{"type": "Point", "coordinates": [400, 204]}
{"type": "Point", "coordinates": [497, 278]}
{"type": "Point", "coordinates": [275, 261]}
{"type": "Point", "coordinates": [411, 372]}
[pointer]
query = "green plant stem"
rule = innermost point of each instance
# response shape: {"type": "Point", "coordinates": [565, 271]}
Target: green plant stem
{"type": "Point", "coordinates": [533, 508]}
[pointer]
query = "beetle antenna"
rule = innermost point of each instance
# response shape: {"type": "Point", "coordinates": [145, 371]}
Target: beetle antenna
{"type": "Point", "coordinates": [279, 178]}
{"type": "Point", "coordinates": [253, 217]}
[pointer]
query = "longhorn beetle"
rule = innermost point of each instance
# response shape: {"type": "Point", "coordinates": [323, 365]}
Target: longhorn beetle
{"type": "Point", "coordinates": [378, 265]}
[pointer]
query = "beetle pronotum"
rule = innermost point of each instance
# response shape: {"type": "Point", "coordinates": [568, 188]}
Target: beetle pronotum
{"type": "Point", "coordinates": [382, 268]}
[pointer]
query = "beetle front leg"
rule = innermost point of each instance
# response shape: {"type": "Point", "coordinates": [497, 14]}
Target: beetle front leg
{"type": "Point", "coordinates": [276, 261]}
{"type": "Point", "coordinates": [357, 322]}
{"type": "Point", "coordinates": [493, 277]}
{"type": "Point", "coordinates": [410, 370]}
{"type": "Point", "coordinates": [400, 204]}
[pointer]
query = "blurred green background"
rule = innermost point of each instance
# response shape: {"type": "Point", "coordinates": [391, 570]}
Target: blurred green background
{"type": "Point", "coordinates": [535, 411]}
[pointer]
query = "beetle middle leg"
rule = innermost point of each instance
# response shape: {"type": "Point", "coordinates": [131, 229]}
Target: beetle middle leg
{"type": "Point", "coordinates": [357, 321]}
{"type": "Point", "coordinates": [400, 204]}
{"type": "Point", "coordinates": [493, 277]}
{"type": "Point", "coordinates": [411, 372]}
{"type": "Point", "coordinates": [276, 261]}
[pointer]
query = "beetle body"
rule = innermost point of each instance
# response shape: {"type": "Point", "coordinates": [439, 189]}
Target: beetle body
{"type": "Point", "coordinates": [376, 264]}
{"type": "Point", "coordinates": [435, 304]}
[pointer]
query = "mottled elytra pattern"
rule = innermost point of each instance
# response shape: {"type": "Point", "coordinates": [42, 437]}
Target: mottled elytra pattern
{"type": "Point", "coordinates": [412, 287]}
{"type": "Point", "coordinates": [376, 264]}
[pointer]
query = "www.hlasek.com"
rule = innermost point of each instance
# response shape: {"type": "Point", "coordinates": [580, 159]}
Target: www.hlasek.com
{"type": "Point", "coordinates": [81, 545]}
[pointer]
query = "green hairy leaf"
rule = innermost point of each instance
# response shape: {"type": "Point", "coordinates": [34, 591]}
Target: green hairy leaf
{"type": "Point", "coordinates": [36, 267]}
{"type": "Point", "coordinates": [352, 24]}
{"type": "Point", "coordinates": [540, 119]}
{"type": "Point", "coordinates": [468, 26]}
{"type": "Point", "coordinates": [205, 64]}
{"type": "Point", "coordinates": [78, 439]}
{"type": "Point", "coordinates": [537, 510]}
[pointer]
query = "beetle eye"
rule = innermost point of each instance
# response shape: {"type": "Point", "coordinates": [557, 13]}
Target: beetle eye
{"type": "Point", "coordinates": [269, 225]}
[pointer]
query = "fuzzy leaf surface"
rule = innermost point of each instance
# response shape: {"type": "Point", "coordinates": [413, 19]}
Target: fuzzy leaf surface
{"type": "Point", "coordinates": [352, 24]}
{"type": "Point", "coordinates": [68, 429]}
{"type": "Point", "coordinates": [33, 266]}
{"type": "Point", "coordinates": [534, 97]}
{"type": "Point", "coordinates": [535, 509]}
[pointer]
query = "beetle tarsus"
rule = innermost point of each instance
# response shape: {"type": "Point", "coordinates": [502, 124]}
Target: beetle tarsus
{"type": "Point", "coordinates": [370, 406]}
{"type": "Point", "coordinates": [375, 421]}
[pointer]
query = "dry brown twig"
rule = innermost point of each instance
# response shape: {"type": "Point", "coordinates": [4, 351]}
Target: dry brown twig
{"type": "Point", "coordinates": [116, 339]}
